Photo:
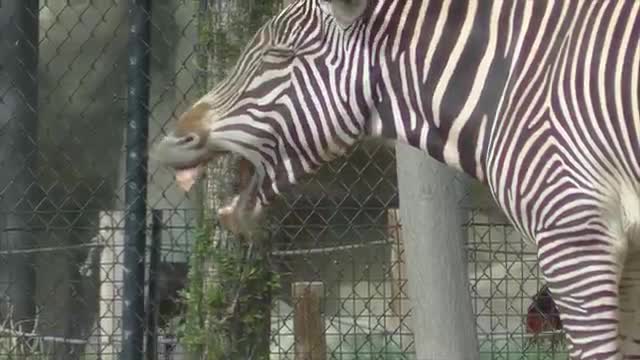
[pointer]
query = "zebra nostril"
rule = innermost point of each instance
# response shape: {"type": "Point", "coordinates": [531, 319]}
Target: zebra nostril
{"type": "Point", "coordinates": [188, 140]}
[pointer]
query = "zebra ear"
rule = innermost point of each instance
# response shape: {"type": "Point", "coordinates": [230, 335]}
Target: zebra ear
{"type": "Point", "coordinates": [346, 12]}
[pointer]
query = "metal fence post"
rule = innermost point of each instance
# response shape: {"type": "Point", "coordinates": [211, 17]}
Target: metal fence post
{"type": "Point", "coordinates": [152, 303]}
{"type": "Point", "coordinates": [136, 187]}
{"type": "Point", "coordinates": [18, 154]}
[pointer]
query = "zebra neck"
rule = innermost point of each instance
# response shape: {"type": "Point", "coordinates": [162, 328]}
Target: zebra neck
{"type": "Point", "coordinates": [439, 86]}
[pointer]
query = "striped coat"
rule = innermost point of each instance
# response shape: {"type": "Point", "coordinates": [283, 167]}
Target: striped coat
{"type": "Point", "coordinates": [540, 100]}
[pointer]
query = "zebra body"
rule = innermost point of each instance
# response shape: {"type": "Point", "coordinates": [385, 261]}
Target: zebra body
{"type": "Point", "coordinates": [539, 100]}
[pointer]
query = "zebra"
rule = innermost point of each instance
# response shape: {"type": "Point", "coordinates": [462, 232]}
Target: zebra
{"type": "Point", "coordinates": [538, 100]}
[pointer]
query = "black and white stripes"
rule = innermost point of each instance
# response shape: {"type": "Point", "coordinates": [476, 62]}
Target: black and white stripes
{"type": "Point", "coordinates": [537, 99]}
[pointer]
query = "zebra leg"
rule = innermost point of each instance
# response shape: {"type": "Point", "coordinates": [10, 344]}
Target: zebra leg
{"type": "Point", "coordinates": [624, 223]}
{"type": "Point", "coordinates": [630, 295]}
{"type": "Point", "coordinates": [630, 306]}
{"type": "Point", "coordinates": [581, 266]}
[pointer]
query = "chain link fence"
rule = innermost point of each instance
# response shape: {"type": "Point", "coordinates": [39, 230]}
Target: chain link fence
{"type": "Point", "coordinates": [332, 256]}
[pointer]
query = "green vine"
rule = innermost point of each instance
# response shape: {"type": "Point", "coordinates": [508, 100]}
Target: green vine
{"type": "Point", "coordinates": [230, 283]}
{"type": "Point", "coordinates": [190, 330]}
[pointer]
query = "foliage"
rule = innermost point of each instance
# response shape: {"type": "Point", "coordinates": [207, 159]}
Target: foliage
{"type": "Point", "coordinates": [229, 315]}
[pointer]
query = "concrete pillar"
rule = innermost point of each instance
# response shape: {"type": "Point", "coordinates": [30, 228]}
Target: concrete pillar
{"type": "Point", "coordinates": [111, 284]}
{"type": "Point", "coordinates": [431, 220]}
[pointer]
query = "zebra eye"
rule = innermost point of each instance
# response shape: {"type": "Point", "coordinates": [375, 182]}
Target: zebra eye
{"type": "Point", "coordinates": [277, 55]}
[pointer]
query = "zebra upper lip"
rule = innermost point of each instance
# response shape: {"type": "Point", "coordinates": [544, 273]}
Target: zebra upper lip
{"type": "Point", "coordinates": [187, 174]}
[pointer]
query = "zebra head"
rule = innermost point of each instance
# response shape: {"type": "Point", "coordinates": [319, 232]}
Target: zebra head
{"type": "Point", "coordinates": [299, 96]}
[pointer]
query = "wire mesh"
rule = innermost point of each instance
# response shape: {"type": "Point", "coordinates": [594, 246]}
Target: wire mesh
{"type": "Point", "coordinates": [337, 234]}
{"type": "Point", "coordinates": [504, 279]}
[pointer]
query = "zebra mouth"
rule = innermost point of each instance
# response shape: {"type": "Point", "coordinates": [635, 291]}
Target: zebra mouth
{"type": "Point", "coordinates": [242, 211]}
{"type": "Point", "coordinates": [244, 170]}
{"type": "Point", "coordinates": [245, 173]}
{"type": "Point", "coordinates": [241, 208]}
{"type": "Point", "coordinates": [243, 184]}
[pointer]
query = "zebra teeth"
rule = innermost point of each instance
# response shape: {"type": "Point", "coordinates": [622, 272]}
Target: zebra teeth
{"type": "Point", "coordinates": [245, 173]}
{"type": "Point", "coordinates": [241, 213]}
